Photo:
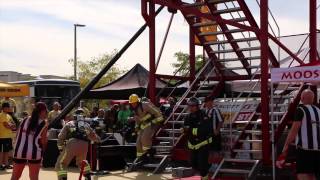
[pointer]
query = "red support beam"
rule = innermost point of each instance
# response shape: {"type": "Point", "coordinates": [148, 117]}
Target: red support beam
{"type": "Point", "coordinates": [313, 30]}
{"type": "Point", "coordinates": [264, 82]}
{"type": "Point", "coordinates": [313, 38]}
{"type": "Point", "coordinates": [192, 55]}
{"type": "Point", "coordinates": [164, 76]}
{"type": "Point", "coordinates": [152, 52]}
{"type": "Point", "coordinates": [225, 78]}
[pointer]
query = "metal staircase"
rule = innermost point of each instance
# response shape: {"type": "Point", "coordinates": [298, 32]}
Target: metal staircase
{"type": "Point", "coordinates": [170, 134]}
{"type": "Point", "coordinates": [235, 49]}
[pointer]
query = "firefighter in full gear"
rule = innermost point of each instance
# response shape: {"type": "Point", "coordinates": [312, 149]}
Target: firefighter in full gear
{"type": "Point", "coordinates": [199, 130]}
{"type": "Point", "coordinates": [73, 142]}
{"type": "Point", "coordinates": [147, 118]}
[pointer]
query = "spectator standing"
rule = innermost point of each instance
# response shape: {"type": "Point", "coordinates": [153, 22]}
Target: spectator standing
{"type": "Point", "coordinates": [53, 115]}
{"type": "Point", "coordinates": [55, 112]}
{"type": "Point", "coordinates": [6, 134]}
{"type": "Point", "coordinates": [32, 129]}
{"type": "Point", "coordinates": [85, 109]}
{"type": "Point", "coordinates": [94, 112]}
{"type": "Point", "coordinates": [214, 115]}
{"type": "Point", "coordinates": [12, 109]}
{"type": "Point", "coordinates": [305, 131]}
{"type": "Point", "coordinates": [172, 102]}
{"type": "Point", "coordinates": [111, 117]}
{"type": "Point", "coordinates": [123, 115]}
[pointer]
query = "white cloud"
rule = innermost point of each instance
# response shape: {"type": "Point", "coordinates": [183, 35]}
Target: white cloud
{"type": "Point", "coordinates": [39, 46]}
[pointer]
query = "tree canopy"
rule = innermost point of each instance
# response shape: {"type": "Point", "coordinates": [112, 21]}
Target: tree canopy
{"type": "Point", "coordinates": [88, 69]}
{"type": "Point", "coordinates": [182, 64]}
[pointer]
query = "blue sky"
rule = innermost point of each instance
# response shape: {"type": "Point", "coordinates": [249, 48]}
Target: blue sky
{"type": "Point", "coordinates": [36, 36]}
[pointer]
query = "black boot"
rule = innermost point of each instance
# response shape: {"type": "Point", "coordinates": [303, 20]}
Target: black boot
{"type": "Point", "coordinates": [87, 177]}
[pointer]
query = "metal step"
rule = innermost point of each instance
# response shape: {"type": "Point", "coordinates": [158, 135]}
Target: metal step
{"type": "Point", "coordinates": [234, 40]}
{"type": "Point", "coordinates": [240, 49]}
{"type": "Point", "coordinates": [176, 131]}
{"type": "Point", "coordinates": [234, 171]}
{"type": "Point", "coordinates": [247, 151]}
{"type": "Point", "coordinates": [211, 23]}
{"type": "Point", "coordinates": [162, 147]}
{"type": "Point", "coordinates": [259, 122]}
{"type": "Point", "coordinates": [176, 122]}
{"type": "Point", "coordinates": [159, 156]}
{"type": "Point", "coordinates": [229, 10]}
{"type": "Point", "coordinates": [255, 132]}
{"type": "Point", "coordinates": [241, 160]}
{"type": "Point", "coordinates": [239, 68]}
{"type": "Point", "coordinates": [216, 32]}
{"type": "Point", "coordinates": [150, 165]}
{"type": "Point", "coordinates": [238, 59]}
{"type": "Point", "coordinates": [250, 141]}
{"type": "Point", "coordinates": [197, 4]}
{"type": "Point", "coordinates": [254, 122]}
{"type": "Point", "coordinates": [216, 12]}
{"type": "Point", "coordinates": [167, 138]}
{"type": "Point", "coordinates": [283, 97]}
{"type": "Point", "coordinates": [182, 114]}
{"type": "Point", "coordinates": [202, 91]}
{"type": "Point", "coordinates": [274, 113]}
{"type": "Point", "coordinates": [279, 105]}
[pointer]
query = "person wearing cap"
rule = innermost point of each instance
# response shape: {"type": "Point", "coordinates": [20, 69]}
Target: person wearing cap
{"type": "Point", "coordinates": [54, 113]}
{"type": "Point", "coordinates": [6, 133]}
{"type": "Point", "coordinates": [147, 118]}
{"type": "Point", "coordinates": [73, 142]}
{"type": "Point", "coordinates": [198, 129]}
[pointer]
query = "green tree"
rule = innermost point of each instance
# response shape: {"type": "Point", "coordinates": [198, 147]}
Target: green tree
{"type": "Point", "coordinates": [182, 64]}
{"type": "Point", "coordinates": [86, 70]}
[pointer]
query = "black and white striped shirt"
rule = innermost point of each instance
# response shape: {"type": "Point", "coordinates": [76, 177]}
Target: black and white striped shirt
{"type": "Point", "coordinates": [309, 134]}
{"type": "Point", "coordinates": [215, 115]}
{"type": "Point", "coordinates": [28, 145]}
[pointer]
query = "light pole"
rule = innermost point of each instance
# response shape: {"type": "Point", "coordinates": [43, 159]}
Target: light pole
{"type": "Point", "coordinates": [75, 49]}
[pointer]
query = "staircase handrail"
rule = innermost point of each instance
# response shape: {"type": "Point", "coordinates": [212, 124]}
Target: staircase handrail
{"type": "Point", "coordinates": [194, 95]}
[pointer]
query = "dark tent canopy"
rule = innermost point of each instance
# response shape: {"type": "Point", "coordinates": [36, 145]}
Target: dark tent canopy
{"type": "Point", "coordinates": [134, 81]}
